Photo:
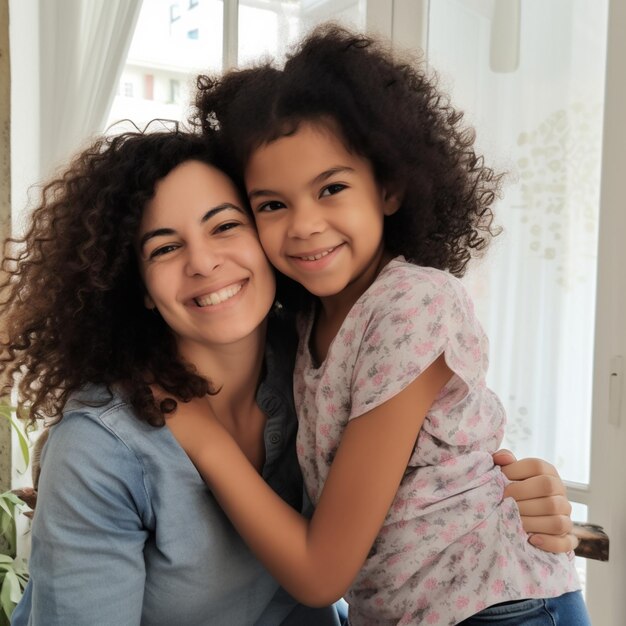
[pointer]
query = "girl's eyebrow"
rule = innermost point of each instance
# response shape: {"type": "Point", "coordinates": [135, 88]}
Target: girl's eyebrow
{"type": "Point", "coordinates": [163, 232]}
{"type": "Point", "coordinates": [320, 178]}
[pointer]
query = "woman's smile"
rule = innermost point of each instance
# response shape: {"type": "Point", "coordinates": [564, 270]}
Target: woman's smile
{"type": "Point", "coordinates": [219, 296]}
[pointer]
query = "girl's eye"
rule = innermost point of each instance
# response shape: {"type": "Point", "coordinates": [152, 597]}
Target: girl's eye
{"type": "Point", "coordinates": [331, 190]}
{"type": "Point", "coordinates": [162, 250]}
{"type": "Point", "coordinates": [272, 205]}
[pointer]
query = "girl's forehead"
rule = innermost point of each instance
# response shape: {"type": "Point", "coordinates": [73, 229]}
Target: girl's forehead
{"type": "Point", "coordinates": [314, 147]}
{"type": "Point", "coordinates": [288, 127]}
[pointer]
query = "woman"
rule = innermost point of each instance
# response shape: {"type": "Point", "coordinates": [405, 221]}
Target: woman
{"type": "Point", "coordinates": [142, 273]}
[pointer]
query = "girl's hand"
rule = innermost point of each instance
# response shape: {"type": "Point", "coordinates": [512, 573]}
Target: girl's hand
{"type": "Point", "coordinates": [542, 500]}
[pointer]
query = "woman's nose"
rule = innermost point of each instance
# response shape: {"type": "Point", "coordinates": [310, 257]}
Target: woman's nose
{"type": "Point", "coordinates": [202, 260]}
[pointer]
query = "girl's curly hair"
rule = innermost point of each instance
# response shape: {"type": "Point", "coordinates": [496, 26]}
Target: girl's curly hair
{"type": "Point", "coordinates": [71, 296]}
{"type": "Point", "coordinates": [389, 111]}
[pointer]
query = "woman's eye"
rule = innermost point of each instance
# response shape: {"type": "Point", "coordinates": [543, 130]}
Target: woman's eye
{"type": "Point", "coordinates": [162, 251]}
{"type": "Point", "coordinates": [272, 205]}
{"type": "Point", "coordinates": [331, 190]}
{"type": "Point", "coordinates": [226, 226]}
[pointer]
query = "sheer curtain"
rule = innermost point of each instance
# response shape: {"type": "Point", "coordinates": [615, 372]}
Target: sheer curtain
{"type": "Point", "coordinates": [531, 79]}
{"type": "Point", "coordinates": [60, 95]}
{"type": "Point", "coordinates": [83, 46]}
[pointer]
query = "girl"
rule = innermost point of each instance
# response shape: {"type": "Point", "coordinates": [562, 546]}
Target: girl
{"type": "Point", "coordinates": [367, 193]}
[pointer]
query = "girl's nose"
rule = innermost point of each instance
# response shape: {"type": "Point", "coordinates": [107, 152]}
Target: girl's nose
{"type": "Point", "coordinates": [305, 221]}
{"type": "Point", "coordinates": [202, 260]}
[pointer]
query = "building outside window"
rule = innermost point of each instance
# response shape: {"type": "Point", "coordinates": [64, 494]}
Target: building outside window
{"type": "Point", "coordinates": [174, 91]}
{"type": "Point", "coordinates": [174, 13]}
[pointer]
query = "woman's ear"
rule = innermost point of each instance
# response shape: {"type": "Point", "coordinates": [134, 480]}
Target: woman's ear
{"type": "Point", "coordinates": [148, 302]}
{"type": "Point", "coordinates": [392, 199]}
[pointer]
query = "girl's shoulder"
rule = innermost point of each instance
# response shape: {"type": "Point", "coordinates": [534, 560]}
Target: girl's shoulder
{"type": "Point", "coordinates": [403, 282]}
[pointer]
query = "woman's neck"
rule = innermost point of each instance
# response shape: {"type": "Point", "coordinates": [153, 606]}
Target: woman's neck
{"type": "Point", "coordinates": [234, 371]}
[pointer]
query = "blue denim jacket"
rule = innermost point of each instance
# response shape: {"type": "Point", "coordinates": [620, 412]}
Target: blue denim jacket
{"type": "Point", "coordinates": [127, 533]}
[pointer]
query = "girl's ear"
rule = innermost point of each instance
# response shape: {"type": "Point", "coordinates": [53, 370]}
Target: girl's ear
{"type": "Point", "coordinates": [392, 199]}
{"type": "Point", "coordinates": [148, 302]}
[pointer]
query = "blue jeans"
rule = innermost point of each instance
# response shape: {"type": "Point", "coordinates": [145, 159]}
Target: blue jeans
{"type": "Point", "coordinates": [566, 610]}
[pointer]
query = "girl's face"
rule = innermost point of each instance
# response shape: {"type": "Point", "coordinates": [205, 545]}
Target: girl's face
{"type": "Point", "coordinates": [319, 211]}
{"type": "Point", "coordinates": [201, 261]}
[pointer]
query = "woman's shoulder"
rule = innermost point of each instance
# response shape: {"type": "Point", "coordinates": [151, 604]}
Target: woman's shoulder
{"type": "Point", "coordinates": [97, 418]}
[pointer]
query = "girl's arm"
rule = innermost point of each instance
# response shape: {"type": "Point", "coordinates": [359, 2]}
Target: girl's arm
{"type": "Point", "coordinates": [317, 560]}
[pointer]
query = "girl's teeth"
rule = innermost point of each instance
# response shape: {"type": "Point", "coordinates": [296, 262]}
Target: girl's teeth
{"type": "Point", "coordinates": [218, 297]}
{"type": "Point", "coordinates": [317, 257]}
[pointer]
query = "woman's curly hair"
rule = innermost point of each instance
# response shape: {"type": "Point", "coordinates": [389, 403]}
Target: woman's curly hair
{"type": "Point", "coordinates": [387, 110]}
{"type": "Point", "coordinates": [71, 296]}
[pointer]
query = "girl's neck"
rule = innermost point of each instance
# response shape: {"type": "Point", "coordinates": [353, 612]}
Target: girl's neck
{"type": "Point", "coordinates": [334, 309]}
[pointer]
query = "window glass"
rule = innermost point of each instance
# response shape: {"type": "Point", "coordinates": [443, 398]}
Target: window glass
{"type": "Point", "coordinates": [174, 41]}
{"type": "Point", "coordinates": [173, 52]}
{"type": "Point", "coordinates": [268, 28]}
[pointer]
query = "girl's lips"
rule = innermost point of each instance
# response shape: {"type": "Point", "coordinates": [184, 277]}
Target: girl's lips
{"type": "Point", "coordinates": [317, 260]}
{"type": "Point", "coordinates": [315, 256]}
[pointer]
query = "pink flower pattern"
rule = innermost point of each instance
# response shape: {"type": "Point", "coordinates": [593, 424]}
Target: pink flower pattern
{"type": "Point", "coordinates": [450, 545]}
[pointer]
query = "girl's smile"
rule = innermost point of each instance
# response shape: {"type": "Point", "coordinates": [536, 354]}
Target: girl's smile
{"type": "Point", "coordinates": [315, 261]}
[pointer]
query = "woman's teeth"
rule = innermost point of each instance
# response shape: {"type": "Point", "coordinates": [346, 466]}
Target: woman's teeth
{"type": "Point", "coordinates": [218, 297]}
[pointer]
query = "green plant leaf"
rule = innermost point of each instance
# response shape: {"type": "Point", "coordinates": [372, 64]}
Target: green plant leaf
{"type": "Point", "coordinates": [9, 496]}
{"type": "Point", "coordinates": [8, 411]}
{"type": "Point", "coordinates": [22, 440]}
{"type": "Point", "coordinates": [5, 506]}
{"type": "Point", "coordinates": [10, 593]}
{"type": "Point", "coordinates": [6, 521]}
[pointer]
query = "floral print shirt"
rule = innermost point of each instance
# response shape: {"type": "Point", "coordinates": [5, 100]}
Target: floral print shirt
{"type": "Point", "coordinates": [450, 545]}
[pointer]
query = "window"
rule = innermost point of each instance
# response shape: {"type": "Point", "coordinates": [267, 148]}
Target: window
{"type": "Point", "coordinates": [148, 86]}
{"type": "Point", "coordinates": [173, 51]}
{"type": "Point", "coordinates": [175, 91]}
{"type": "Point", "coordinates": [128, 90]}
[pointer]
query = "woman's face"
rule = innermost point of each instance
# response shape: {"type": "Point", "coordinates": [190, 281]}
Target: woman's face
{"type": "Point", "coordinates": [201, 261]}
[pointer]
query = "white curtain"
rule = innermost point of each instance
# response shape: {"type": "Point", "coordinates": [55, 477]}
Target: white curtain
{"type": "Point", "coordinates": [530, 76]}
{"type": "Point", "coordinates": [83, 47]}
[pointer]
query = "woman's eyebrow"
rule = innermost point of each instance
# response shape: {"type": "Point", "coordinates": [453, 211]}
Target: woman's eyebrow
{"type": "Point", "coordinates": [164, 232]}
{"type": "Point", "coordinates": [320, 178]}
{"type": "Point", "coordinates": [221, 207]}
